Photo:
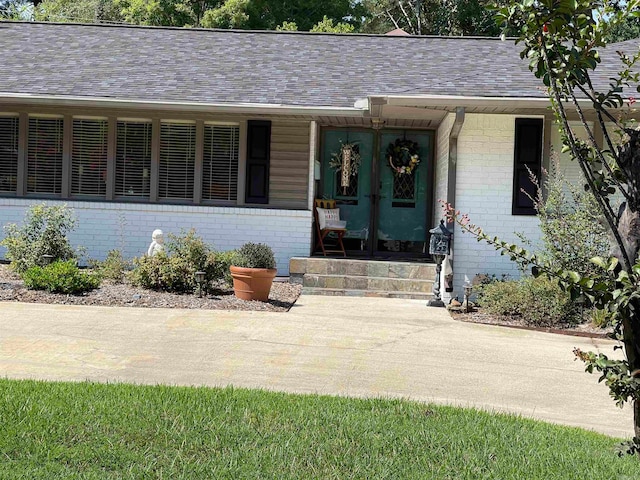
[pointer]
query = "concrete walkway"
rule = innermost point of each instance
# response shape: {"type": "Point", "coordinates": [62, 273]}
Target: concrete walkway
{"type": "Point", "coordinates": [332, 345]}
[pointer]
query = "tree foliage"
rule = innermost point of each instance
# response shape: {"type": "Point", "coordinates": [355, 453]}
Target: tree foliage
{"type": "Point", "coordinates": [435, 17]}
{"type": "Point", "coordinates": [431, 17]}
{"type": "Point", "coordinates": [328, 26]}
{"type": "Point", "coordinates": [627, 29]}
{"type": "Point", "coordinates": [231, 14]}
{"type": "Point", "coordinates": [81, 11]}
{"type": "Point", "coordinates": [269, 14]}
{"type": "Point", "coordinates": [562, 40]}
{"type": "Point", "coordinates": [174, 13]}
{"type": "Point", "coordinates": [16, 9]}
{"type": "Point", "coordinates": [244, 14]}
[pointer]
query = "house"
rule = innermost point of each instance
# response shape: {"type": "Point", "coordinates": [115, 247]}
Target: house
{"type": "Point", "coordinates": [233, 133]}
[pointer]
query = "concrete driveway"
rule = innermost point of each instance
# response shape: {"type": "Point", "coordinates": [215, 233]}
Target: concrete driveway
{"type": "Point", "coordinates": [331, 345]}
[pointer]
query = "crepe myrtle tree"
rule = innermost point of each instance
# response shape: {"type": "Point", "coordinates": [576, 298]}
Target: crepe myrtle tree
{"type": "Point", "coordinates": [562, 41]}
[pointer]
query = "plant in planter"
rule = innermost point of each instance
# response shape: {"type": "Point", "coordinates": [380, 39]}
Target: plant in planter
{"type": "Point", "coordinates": [253, 268]}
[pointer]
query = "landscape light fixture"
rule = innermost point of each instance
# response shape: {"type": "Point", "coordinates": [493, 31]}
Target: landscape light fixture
{"type": "Point", "coordinates": [200, 280]}
{"type": "Point", "coordinates": [468, 288]}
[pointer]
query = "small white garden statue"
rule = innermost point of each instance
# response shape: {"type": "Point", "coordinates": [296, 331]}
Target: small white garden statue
{"type": "Point", "coordinates": [157, 245]}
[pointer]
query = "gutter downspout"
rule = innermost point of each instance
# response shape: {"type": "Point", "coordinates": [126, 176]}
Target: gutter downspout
{"type": "Point", "coordinates": [451, 178]}
{"type": "Point", "coordinates": [453, 155]}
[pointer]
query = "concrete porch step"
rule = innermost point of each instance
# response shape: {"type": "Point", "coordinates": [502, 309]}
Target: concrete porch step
{"type": "Point", "coordinates": [299, 266]}
{"type": "Point", "coordinates": [363, 278]}
{"type": "Point", "coordinates": [356, 282]}
{"type": "Point", "coordinates": [342, 292]}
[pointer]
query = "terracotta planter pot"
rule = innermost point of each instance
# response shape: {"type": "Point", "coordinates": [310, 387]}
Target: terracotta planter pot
{"type": "Point", "coordinates": [252, 283]}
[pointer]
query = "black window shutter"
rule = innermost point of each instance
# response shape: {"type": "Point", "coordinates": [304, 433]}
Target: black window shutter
{"type": "Point", "coordinates": [258, 153]}
{"type": "Point", "coordinates": [527, 157]}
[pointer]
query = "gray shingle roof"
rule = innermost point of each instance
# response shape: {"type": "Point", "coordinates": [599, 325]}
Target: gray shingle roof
{"type": "Point", "coordinates": [222, 66]}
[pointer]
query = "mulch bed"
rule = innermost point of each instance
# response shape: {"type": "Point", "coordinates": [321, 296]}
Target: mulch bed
{"type": "Point", "coordinates": [586, 329]}
{"type": "Point", "coordinates": [282, 297]}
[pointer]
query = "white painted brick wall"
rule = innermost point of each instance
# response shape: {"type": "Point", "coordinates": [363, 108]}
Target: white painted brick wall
{"type": "Point", "coordinates": [105, 226]}
{"type": "Point", "coordinates": [484, 191]}
{"type": "Point", "coordinates": [442, 162]}
{"type": "Point", "coordinates": [569, 168]}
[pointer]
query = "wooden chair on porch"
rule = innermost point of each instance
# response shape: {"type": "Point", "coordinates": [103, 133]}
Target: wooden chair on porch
{"type": "Point", "coordinates": [327, 219]}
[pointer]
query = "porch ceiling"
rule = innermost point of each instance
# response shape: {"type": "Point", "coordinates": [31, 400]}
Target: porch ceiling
{"type": "Point", "coordinates": [388, 122]}
{"type": "Point", "coordinates": [392, 116]}
{"type": "Point", "coordinates": [430, 106]}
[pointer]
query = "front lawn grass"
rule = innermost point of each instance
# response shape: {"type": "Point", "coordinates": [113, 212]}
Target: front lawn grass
{"type": "Point", "coordinates": [88, 430]}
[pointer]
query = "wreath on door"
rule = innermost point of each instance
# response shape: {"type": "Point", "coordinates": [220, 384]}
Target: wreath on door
{"type": "Point", "coordinates": [403, 156]}
{"type": "Point", "coordinates": [346, 161]}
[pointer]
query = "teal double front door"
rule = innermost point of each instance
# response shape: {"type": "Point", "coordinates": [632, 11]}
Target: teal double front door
{"type": "Point", "coordinates": [387, 208]}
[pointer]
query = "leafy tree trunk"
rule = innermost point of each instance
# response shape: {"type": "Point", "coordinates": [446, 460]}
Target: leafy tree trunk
{"type": "Point", "coordinates": [636, 418]}
{"type": "Point", "coordinates": [631, 339]}
{"type": "Point", "coordinates": [629, 229]}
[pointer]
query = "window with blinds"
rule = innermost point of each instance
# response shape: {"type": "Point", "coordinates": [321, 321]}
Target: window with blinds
{"type": "Point", "coordinates": [89, 157]}
{"type": "Point", "coordinates": [177, 161]}
{"type": "Point", "coordinates": [44, 155]}
{"type": "Point", "coordinates": [8, 153]}
{"type": "Point", "coordinates": [220, 163]}
{"type": "Point", "coordinates": [133, 159]}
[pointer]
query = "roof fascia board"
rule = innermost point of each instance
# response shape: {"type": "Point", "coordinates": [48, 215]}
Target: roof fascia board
{"type": "Point", "coordinates": [250, 108]}
{"type": "Point", "coordinates": [455, 100]}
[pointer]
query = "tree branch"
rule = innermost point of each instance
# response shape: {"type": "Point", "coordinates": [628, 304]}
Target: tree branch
{"type": "Point", "coordinates": [559, 106]}
{"type": "Point", "coordinates": [592, 97]}
{"type": "Point", "coordinates": [595, 147]}
{"type": "Point", "coordinates": [392, 18]}
{"type": "Point", "coordinates": [406, 16]}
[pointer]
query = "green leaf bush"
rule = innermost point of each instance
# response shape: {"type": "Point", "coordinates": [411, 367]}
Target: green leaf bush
{"type": "Point", "coordinates": [254, 255]}
{"type": "Point", "coordinates": [221, 264]}
{"type": "Point", "coordinates": [174, 269]}
{"type": "Point", "coordinates": [44, 232]}
{"type": "Point", "coordinates": [538, 301]}
{"type": "Point", "coordinates": [163, 272]}
{"type": "Point", "coordinates": [113, 268]}
{"type": "Point", "coordinates": [60, 277]}
{"type": "Point", "coordinates": [571, 224]}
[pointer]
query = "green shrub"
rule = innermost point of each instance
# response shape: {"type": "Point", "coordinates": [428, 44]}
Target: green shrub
{"type": "Point", "coordinates": [601, 318]}
{"type": "Point", "coordinates": [44, 232]}
{"type": "Point", "coordinates": [570, 221]}
{"type": "Point", "coordinates": [254, 255]}
{"type": "Point", "coordinates": [501, 298]}
{"type": "Point", "coordinates": [221, 263]}
{"type": "Point", "coordinates": [538, 301]}
{"type": "Point", "coordinates": [163, 272]}
{"type": "Point", "coordinates": [60, 277]}
{"type": "Point", "coordinates": [482, 280]}
{"type": "Point", "coordinates": [113, 267]}
{"type": "Point", "coordinates": [174, 270]}
{"type": "Point", "coordinates": [190, 248]}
